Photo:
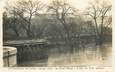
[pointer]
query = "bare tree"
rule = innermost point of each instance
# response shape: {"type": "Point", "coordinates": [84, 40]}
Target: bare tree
{"type": "Point", "coordinates": [99, 11]}
{"type": "Point", "coordinates": [10, 23]}
{"type": "Point", "coordinates": [72, 24]}
{"type": "Point", "coordinates": [26, 10]}
{"type": "Point", "coordinates": [61, 9]}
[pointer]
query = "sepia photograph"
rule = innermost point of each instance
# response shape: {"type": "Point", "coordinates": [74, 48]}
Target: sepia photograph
{"type": "Point", "coordinates": [57, 33]}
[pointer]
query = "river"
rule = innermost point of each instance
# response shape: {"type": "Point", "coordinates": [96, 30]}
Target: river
{"type": "Point", "coordinates": [89, 56]}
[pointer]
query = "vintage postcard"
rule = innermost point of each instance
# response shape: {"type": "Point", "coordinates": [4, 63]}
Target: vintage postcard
{"type": "Point", "coordinates": [57, 34]}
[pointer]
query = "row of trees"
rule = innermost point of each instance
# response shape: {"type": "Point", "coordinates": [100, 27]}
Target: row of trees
{"type": "Point", "coordinates": [27, 19]}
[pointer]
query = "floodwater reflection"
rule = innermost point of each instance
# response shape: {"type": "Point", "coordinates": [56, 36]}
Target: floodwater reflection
{"type": "Point", "coordinates": [89, 56]}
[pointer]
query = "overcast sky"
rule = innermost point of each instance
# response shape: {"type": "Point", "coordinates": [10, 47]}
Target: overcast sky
{"type": "Point", "coordinates": [80, 4]}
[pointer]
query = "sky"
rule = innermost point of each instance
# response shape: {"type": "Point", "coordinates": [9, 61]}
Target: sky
{"type": "Point", "coordinates": [80, 4]}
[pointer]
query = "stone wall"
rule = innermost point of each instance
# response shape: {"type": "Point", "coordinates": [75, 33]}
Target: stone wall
{"type": "Point", "coordinates": [29, 52]}
{"type": "Point", "coordinates": [9, 56]}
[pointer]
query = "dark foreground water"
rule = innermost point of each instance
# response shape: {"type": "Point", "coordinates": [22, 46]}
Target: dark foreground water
{"type": "Point", "coordinates": [90, 56]}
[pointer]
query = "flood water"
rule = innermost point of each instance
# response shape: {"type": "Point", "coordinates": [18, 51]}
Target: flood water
{"type": "Point", "coordinates": [57, 56]}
